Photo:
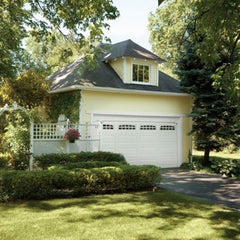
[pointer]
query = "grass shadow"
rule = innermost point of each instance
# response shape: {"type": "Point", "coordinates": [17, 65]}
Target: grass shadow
{"type": "Point", "coordinates": [169, 210]}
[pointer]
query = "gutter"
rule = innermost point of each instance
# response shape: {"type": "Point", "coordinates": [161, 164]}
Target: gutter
{"type": "Point", "coordinates": [119, 90]}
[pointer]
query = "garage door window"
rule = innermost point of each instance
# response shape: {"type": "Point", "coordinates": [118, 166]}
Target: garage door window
{"type": "Point", "coordinates": [127, 127]}
{"type": "Point", "coordinates": [167, 127]}
{"type": "Point", "coordinates": [147, 127]}
{"type": "Point", "coordinates": [107, 126]}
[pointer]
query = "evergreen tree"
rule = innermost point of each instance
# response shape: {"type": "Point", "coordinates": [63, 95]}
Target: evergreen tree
{"type": "Point", "coordinates": [213, 113]}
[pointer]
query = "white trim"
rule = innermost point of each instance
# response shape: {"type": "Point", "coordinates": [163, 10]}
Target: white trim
{"type": "Point", "coordinates": [180, 141]}
{"type": "Point", "coordinates": [137, 114]}
{"type": "Point", "coordinates": [191, 141]}
{"type": "Point", "coordinates": [119, 90]}
{"type": "Point", "coordinates": [124, 70]}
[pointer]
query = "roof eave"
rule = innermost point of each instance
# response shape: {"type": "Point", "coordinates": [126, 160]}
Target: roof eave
{"type": "Point", "coordinates": [159, 60]}
{"type": "Point", "coordinates": [118, 90]}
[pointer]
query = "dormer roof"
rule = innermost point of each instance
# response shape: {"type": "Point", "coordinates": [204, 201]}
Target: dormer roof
{"type": "Point", "coordinates": [104, 76]}
{"type": "Point", "coordinates": [129, 48]}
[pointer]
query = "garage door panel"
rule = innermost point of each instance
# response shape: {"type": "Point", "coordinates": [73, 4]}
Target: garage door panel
{"type": "Point", "coordinates": [141, 142]}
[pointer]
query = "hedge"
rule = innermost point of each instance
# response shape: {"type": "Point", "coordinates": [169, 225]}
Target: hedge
{"type": "Point", "coordinates": [86, 165]}
{"type": "Point", "coordinates": [47, 160]}
{"type": "Point", "coordinates": [65, 183]}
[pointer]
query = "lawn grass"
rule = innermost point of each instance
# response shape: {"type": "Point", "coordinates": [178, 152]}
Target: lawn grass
{"type": "Point", "coordinates": [225, 155]}
{"type": "Point", "coordinates": [133, 216]}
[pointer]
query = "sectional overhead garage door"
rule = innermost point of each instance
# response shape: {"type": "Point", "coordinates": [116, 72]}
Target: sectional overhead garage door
{"type": "Point", "coordinates": [142, 140]}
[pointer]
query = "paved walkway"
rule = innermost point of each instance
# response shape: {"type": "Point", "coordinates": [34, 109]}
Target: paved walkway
{"type": "Point", "coordinates": [215, 188]}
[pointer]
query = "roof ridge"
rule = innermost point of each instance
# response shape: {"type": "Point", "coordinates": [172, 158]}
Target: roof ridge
{"type": "Point", "coordinates": [129, 48]}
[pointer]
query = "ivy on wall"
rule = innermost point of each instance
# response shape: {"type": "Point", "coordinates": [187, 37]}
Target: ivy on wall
{"type": "Point", "coordinates": [66, 103]}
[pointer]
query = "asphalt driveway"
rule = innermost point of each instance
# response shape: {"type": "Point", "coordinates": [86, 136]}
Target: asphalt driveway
{"type": "Point", "coordinates": [217, 189]}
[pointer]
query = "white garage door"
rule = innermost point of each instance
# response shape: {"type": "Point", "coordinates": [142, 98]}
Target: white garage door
{"type": "Point", "coordinates": [141, 140]}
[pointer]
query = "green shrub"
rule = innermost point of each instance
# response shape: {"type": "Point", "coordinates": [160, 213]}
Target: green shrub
{"type": "Point", "coordinates": [36, 185]}
{"type": "Point", "coordinates": [195, 165]}
{"type": "Point", "coordinates": [62, 183]}
{"type": "Point", "coordinates": [86, 165]}
{"type": "Point", "coordinates": [20, 161]}
{"type": "Point", "coordinates": [17, 139]}
{"type": "Point", "coordinates": [227, 167]}
{"type": "Point", "coordinates": [4, 159]}
{"type": "Point", "coordinates": [46, 160]}
{"type": "Point", "coordinates": [140, 177]}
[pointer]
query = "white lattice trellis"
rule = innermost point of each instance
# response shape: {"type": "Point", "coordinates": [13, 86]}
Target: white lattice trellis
{"type": "Point", "coordinates": [56, 131]}
{"type": "Point", "coordinates": [49, 138]}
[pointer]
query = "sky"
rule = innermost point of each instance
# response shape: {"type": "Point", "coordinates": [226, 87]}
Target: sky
{"type": "Point", "coordinates": [133, 21]}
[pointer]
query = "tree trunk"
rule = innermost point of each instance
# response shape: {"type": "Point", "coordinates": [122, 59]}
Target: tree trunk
{"type": "Point", "coordinates": [206, 161]}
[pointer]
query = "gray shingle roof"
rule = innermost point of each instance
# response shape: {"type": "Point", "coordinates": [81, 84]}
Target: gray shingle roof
{"type": "Point", "coordinates": [129, 48]}
{"type": "Point", "coordinates": [104, 76]}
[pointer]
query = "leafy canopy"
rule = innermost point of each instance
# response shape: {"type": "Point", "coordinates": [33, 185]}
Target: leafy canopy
{"type": "Point", "coordinates": [216, 22]}
{"type": "Point", "coordinates": [85, 20]}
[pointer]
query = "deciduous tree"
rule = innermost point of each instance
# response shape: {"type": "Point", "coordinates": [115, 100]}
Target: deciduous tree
{"type": "Point", "coordinates": [85, 20]}
{"type": "Point", "coordinates": [217, 22]}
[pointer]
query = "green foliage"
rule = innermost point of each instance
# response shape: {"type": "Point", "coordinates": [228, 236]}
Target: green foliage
{"type": "Point", "coordinates": [213, 113]}
{"type": "Point", "coordinates": [140, 177]}
{"type": "Point", "coordinates": [4, 160]}
{"type": "Point", "coordinates": [195, 165]}
{"type": "Point", "coordinates": [86, 165]}
{"type": "Point", "coordinates": [16, 139]}
{"type": "Point", "coordinates": [49, 184]}
{"type": "Point", "coordinates": [47, 160]}
{"type": "Point", "coordinates": [53, 51]}
{"type": "Point", "coordinates": [220, 40]}
{"type": "Point", "coordinates": [18, 19]}
{"type": "Point", "coordinates": [36, 185]}
{"type": "Point", "coordinates": [66, 103]}
{"type": "Point", "coordinates": [167, 29]}
{"type": "Point", "coordinates": [226, 167]}
{"type": "Point", "coordinates": [12, 31]}
{"type": "Point", "coordinates": [19, 161]}
{"type": "Point", "coordinates": [29, 90]}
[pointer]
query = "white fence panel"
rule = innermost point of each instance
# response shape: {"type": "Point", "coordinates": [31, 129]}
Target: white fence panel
{"type": "Point", "coordinates": [49, 138]}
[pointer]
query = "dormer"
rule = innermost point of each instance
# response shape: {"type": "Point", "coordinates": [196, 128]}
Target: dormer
{"type": "Point", "coordinates": [133, 63]}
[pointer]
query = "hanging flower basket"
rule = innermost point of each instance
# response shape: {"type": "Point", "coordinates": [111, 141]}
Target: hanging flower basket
{"type": "Point", "coordinates": [71, 135]}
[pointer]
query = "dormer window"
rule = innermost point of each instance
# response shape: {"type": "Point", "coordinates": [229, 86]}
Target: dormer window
{"type": "Point", "coordinates": [140, 73]}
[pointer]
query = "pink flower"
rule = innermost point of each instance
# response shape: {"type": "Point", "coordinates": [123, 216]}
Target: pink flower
{"type": "Point", "coordinates": [72, 134]}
